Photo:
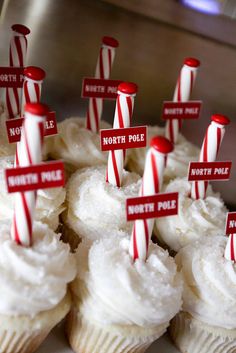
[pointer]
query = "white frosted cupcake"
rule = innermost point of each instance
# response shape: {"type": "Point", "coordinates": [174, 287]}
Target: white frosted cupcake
{"type": "Point", "coordinates": [96, 208]}
{"type": "Point", "coordinates": [34, 296]}
{"type": "Point", "coordinates": [121, 305]}
{"type": "Point", "coordinates": [49, 205]}
{"type": "Point", "coordinates": [177, 161]}
{"type": "Point", "coordinates": [207, 323]}
{"type": "Point", "coordinates": [76, 145]}
{"type": "Point", "coordinates": [195, 219]}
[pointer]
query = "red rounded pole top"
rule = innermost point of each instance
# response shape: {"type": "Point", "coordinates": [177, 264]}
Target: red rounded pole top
{"type": "Point", "coordinates": [128, 88]}
{"type": "Point", "coordinates": [110, 41]}
{"type": "Point", "coordinates": [220, 119]}
{"type": "Point", "coordinates": [20, 29]}
{"type": "Point", "coordinates": [161, 144]}
{"type": "Point", "coordinates": [36, 109]}
{"type": "Point", "coordinates": [34, 73]}
{"type": "Point", "coordinates": [192, 62]}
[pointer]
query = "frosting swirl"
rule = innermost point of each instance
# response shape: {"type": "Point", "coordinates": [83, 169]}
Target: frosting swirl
{"type": "Point", "coordinates": [126, 293]}
{"type": "Point", "coordinates": [76, 145]}
{"type": "Point", "coordinates": [33, 279]}
{"type": "Point", "coordinates": [96, 207]}
{"type": "Point", "coordinates": [196, 218]}
{"type": "Point", "coordinates": [49, 203]}
{"type": "Point", "coordinates": [177, 161]}
{"type": "Point", "coordinates": [209, 282]}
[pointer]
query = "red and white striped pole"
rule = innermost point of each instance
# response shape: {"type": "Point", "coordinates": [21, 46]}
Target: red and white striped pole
{"type": "Point", "coordinates": [33, 78]}
{"type": "Point", "coordinates": [32, 86]}
{"type": "Point", "coordinates": [151, 185]}
{"type": "Point", "coordinates": [182, 93]}
{"type": "Point", "coordinates": [103, 71]}
{"type": "Point", "coordinates": [210, 148]}
{"type": "Point", "coordinates": [18, 50]}
{"type": "Point", "coordinates": [29, 153]}
{"type": "Point", "coordinates": [123, 113]}
{"type": "Point", "coordinates": [230, 250]}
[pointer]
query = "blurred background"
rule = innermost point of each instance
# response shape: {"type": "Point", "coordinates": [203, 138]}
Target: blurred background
{"type": "Point", "coordinates": [155, 36]}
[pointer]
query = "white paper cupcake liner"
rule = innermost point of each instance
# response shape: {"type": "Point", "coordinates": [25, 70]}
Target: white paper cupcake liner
{"type": "Point", "coordinates": [193, 336]}
{"type": "Point", "coordinates": [23, 334]}
{"type": "Point", "coordinates": [87, 337]}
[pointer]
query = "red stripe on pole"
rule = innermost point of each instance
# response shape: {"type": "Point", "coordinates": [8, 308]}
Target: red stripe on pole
{"type": "Point", "coordinates": [101, 64]}
{"type": "Point", "coordinates": [156, 181]}
{"type": "Point", "coordinates": [115, 168]}
{"type": "Point", "coordinates": [120, 117]}
{"type": "Point", "coordinates": [28, 217]}
{"type": "Point", "coordinates": [205, 148]}
{"type": "Point", "coordinates": [95, 109]}
{"type": "Point", "coordinates": [135, 248]}
{"type": "Point", "coordinates": [179, 98]}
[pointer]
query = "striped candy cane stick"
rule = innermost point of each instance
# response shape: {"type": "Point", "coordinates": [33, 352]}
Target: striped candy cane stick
{"type": "Point", "coordinates": [210, 148]}
{"type": "Point", "coordinates": [123, 113]}
{"type": "Point", "coordinates": [30, 152]}
{"type": "Point", "coordinates": [230, 250]}
{"type": "Point", "coordinates": [33, 78]}
{"type": "Point", "coordinates": [18, 49]}
{"type": "Point", "coordinates": [182, 93]}
{"type": "Point", "coordinates": [151, 185]}
{"type": "Point", "coordinates": [103, 71]}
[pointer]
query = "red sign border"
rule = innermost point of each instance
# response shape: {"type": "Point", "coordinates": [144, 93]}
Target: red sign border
{"type": "Point", "coordinates": [148, 199]}
{"type": "Point", "coordinates": [36, 168]}
{"type": "Point", "coordinates": [227, 221]}
{"type": "Point", "coordinates": [211, 163]}
{"type": "Point", "coordinates": [121, 146]}
{"type": "Point", "coordinates": [112, 96]}
{"type": "Point", "coordinates": [181, 117]}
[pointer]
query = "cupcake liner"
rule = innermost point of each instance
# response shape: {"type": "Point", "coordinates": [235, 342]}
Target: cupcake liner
{"type": "Point", "coordinates": [194, 336]}
{"type": "Point", "coordinates": [23, 334]}
{"type": "Point", "coordinates": [87, 337]}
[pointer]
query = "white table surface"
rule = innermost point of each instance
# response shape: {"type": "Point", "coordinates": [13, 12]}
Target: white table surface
{"type": "Point", "coordinates": [56, 343]}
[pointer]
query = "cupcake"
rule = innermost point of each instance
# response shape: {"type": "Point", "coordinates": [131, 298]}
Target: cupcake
{"type": "Point", "coordinates": [207, 323]}
{"type": "Point", "coordinates": [121, 305]}
{"type": "Point", "coordinates": [49, 205]}
{"type": "Point", "coordinates": [196, 218]}
{"type": "Point", "coordinates": [96, 208]}
{"type": "Point", "coordinates": [34, 295]}
{"type": "Point", "coordinates": [177, 162]}
{"type": "Point", "coordinates": [76, 145]}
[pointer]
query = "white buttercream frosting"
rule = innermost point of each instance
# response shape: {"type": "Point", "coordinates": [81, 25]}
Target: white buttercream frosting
{"type": "Point", "coordinates": [123, 292]}
{"type": "Point", "coordinates": [209, 282]}
{"type": "Point", "coordinates": [33, 279]}
{"type": "Point", "coordinates": [177, 161]}
{"type": "Point", "coordinates": [95, 207]}
{"type": "Point", "coordinates": [6, 148]}
{"type": "Point", "coordinates": [195, 219]}
{"type": "Point", "coordinates": [49, 203]}
{"type": "Point", "coordinates": [76, 145]}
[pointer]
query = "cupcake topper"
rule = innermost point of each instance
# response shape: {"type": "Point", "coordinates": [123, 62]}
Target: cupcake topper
{"type": "Point", "coordinates": [210, 148]}
{"type": "Point", "coordinates": [32, 86]}
{"type": "Point", "coordinates": [182, 93]}
{"type": "Point", "coordinates": [151, 185]}
{"type": "Point", "coordinates": [103, 71]}
{"type": "Point", "coordinates": [33, 78]}
{"type": "Point", "coordinates": [31, 91]}
{"type": "Point", "coordinates": [29, 153]}
{"type": "Point", "coordinates": [230, 250]}
{"type": "Point", "coordinates": [29, 175]}
{"type": "Point", "coordinates": [18, 49]}
{"type": "Point", "coordinates": [123, 113]}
